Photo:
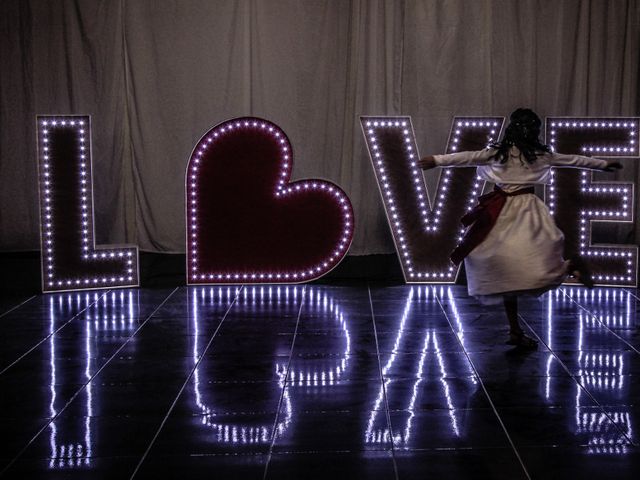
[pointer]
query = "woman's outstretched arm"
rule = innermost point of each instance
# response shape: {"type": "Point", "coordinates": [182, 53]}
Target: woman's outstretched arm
{"type": "Point", "coordinates": [458, 159]}
{"type": "Point", "coordinates": [580, 161]}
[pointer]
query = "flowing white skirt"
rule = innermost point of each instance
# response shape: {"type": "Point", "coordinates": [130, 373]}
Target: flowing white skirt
{"type": "Point", "coordinates": [521, 254]}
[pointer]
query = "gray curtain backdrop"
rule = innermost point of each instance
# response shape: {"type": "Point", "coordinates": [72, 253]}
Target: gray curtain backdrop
{"type": "Point", "coordinates": [156, 74]}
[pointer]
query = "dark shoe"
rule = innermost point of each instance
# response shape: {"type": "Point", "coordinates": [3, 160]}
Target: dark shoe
{"type": "Point", "coordinates": [580, 271]}
{"type": "Point", "coordinates": [519, 339]}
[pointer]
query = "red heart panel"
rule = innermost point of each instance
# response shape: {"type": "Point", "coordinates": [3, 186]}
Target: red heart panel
{"type": "Point", "coordinates": [246, 223]}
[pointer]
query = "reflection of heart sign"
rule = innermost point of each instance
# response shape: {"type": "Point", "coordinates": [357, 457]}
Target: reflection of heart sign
{"type": "Point", "coordinates": [246, 224]}
{"type": "Point", "coordinates": [314, 375]}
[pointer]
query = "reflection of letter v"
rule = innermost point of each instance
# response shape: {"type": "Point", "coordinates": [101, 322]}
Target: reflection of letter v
{"type": "Point", "coordinates": [424, 231]}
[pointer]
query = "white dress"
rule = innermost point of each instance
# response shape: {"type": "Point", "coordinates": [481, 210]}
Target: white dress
{"type": "Point", "coordinates": [523, 251]}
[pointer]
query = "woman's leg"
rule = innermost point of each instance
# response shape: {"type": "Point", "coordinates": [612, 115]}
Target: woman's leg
{"type": "Point", "coordinates": [579, 270]}
{"type": "Point", "coordinates": [511, 309]}
{"type": "Point", "coordinates": [516, 334]}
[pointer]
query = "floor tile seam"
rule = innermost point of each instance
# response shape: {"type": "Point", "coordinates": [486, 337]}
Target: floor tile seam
{"type": "Point", "coordinates": [284, 385]}
{"type": "Point", "coordinates": [587, 392]}
{"type": "Point", "coordinates": [595, 317]}
{"type": "Point", "coordinates": [563, 348]}
{"type": "Point", "coordinates": [631, 406]}
{"type": "Point", "coordinates": [75, 395]}
{"type": "Point", "coordinates": [570, 446]}
{"type": "Point", "coordinates": [574, 448]}
{"type": "Point", "coordinates": [341, 451]}
{"type": "Point", "coordinates": [631, 293]}
{"type": "Point", "coordinates": [17, 306]}
{"type": "Point", "coordinates": [383, 384]}
{"type": "Point", "coordinates": [340, 411]}
{"type": "Point", "coordinates": [310, 412]}
{"type": "Point", "coordinates": [184, 384]}
{"type": "Point", "coordinates": [329, 450]}
{"type": "Point", "coordinates": [132, 415]}
{"type": "Point", "coordinates": [95, 457]}
{"type": "Point", "coordinates": [103, 295]}
{"type": "Point", "coordinates": [484, 388]}
{"type": "Point", "coordinates": [458, 449]}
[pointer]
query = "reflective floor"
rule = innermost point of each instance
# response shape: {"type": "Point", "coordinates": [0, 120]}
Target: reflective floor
{"type": "Point", "coordinates": [317, 381]}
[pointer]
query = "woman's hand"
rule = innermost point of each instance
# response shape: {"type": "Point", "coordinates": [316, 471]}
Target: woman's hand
{"type": "Point", "coordinates": [427, 162]}
{"type": "Point", "coordinates": [612, 166]}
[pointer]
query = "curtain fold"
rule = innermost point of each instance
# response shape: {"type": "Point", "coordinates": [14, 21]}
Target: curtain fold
{"type": "Point", "coordinates": [19, 221]}
{"type": "Point", "coordinates": [155, 76]}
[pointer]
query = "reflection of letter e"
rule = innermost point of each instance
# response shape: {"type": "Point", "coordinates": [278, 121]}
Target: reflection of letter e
{"type": "Point", "coordinates": [70, 259]}
{"type": "Point", "coordinates": [576, 201]}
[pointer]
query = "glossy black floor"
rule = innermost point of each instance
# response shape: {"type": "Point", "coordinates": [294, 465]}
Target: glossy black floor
{"type": "Point", "coordinates": [318, 381]}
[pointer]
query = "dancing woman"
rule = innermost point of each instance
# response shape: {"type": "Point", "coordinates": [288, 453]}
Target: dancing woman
{"type": "Point", "coordinates": [512, 245]}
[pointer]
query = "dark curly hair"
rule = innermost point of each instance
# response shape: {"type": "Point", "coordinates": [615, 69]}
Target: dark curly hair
{"type": "Point", "coordinates": [523, 132]}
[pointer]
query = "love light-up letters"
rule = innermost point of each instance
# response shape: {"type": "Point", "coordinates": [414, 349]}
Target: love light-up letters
{"type": "Point", "coordinates": [576, 200]}
{"type": "Point", "coordinates": [246, 223]}
{"type": "Point", "coordinates": [424, 231]}
{"type": "Point", "coordinates": [70, 259]}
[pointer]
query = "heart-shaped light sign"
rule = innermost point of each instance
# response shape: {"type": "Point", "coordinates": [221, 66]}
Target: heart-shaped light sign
{"type": "Point", "coordinates": [246, 223]}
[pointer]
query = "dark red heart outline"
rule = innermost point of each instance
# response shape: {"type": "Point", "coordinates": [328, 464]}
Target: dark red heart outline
{"type": "Point", "coordinates": [277, 150]}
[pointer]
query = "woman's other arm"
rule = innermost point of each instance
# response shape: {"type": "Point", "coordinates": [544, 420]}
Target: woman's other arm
{"type": "Point", "coordinates": [580, 161]}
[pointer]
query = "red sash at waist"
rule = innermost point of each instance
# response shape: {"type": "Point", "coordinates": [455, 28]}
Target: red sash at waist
{"type": "Point", "coordinates": [481, 220]}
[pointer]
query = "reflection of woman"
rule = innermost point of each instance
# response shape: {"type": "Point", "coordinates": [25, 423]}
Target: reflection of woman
{"type": "Point", "coordinates": [512, 245]}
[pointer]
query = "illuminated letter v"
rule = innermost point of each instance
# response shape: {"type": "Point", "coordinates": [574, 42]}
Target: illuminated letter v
{"type": "Point", "coordinates": [425, 231]}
